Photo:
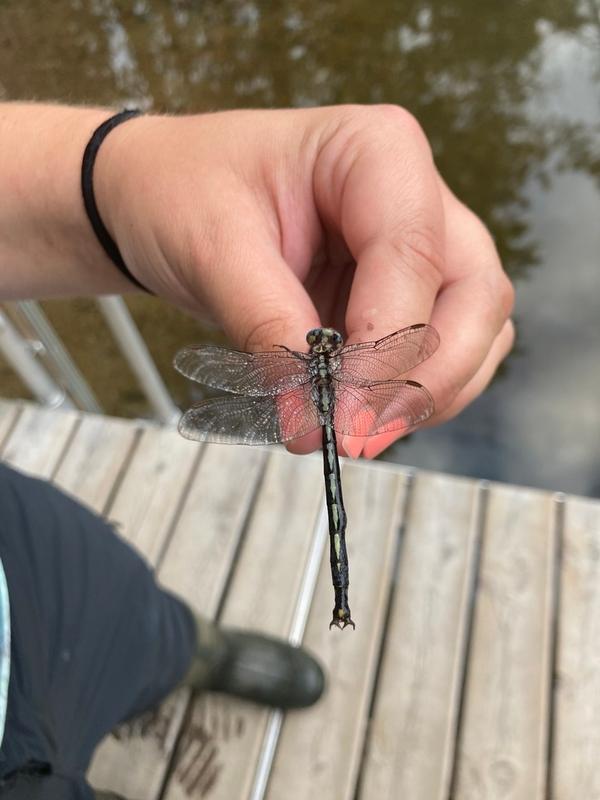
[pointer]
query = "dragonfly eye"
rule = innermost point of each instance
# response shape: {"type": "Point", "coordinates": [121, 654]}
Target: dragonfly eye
{"type": "Point", "coordinates": [313, 336]}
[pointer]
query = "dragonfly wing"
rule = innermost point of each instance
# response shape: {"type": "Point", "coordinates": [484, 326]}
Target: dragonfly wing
{"type": "Point", "coordinates": [381, 407]}
{"type": "Point", "coordinates": [251, 420]}
{"type": "Point", "coordinates": [361, 364]}
{"type": "Point", "coordinates": [255, 374]}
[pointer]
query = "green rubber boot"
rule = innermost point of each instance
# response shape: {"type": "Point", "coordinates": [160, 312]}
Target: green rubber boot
{"type": "Point", "coordinates": [254, 667]}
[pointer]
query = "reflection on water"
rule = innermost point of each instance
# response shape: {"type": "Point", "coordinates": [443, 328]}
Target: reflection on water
{"type": "Point", "coordinates": [508, 95]}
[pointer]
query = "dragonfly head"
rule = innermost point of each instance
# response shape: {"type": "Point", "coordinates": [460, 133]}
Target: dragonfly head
{"type": "Point", "coordinates": [324, 340]}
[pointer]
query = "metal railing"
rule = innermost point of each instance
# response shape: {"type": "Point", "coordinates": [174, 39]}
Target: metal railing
{"type": "Point", "coordinates": [54, 380]}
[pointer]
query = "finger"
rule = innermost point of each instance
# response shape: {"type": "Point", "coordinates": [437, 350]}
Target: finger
{"type": "Point", "coordinates": [469, 313]}
{"type": "Point", "coordinates": [502, 346]}
{"type": "Point", "coordinates": [257, 299]}
{"type": "Point", "coordinates": [375, 182]}
{"type": "Point", "coordinates": [255, 296]}
{"type": "Point", "coordinates": [500, 349]}
{"type": "Point", "coordinates": [471, 309]}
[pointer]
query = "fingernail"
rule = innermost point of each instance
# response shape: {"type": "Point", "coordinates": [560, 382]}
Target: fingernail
{"type": "Point", "coordinates": [353, 445]}
{"type": "Point", "coordinates": [378, 444]}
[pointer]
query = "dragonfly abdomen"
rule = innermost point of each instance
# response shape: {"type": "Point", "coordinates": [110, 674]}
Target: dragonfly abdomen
{"type": "Point", "coordinates": [323, 394]}
{"type": "Point", "coordinates": [336, 513]}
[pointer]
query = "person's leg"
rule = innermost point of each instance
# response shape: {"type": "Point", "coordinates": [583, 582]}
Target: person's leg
{"type": "Point", "coordinates": [26, 785]}
{"type": "Point", "coordinates": [96, 641]}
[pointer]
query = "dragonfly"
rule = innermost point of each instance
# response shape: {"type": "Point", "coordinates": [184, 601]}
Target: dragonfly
{"type": "Point", "coordinates": [281, 395]}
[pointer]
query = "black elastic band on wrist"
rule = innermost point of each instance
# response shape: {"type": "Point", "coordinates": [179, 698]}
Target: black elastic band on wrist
{"type": "Point", "coordinates": [87, 190]}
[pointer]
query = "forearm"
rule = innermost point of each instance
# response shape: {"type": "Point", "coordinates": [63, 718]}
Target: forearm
{"type": "Point", "coordinates": [47, 245]}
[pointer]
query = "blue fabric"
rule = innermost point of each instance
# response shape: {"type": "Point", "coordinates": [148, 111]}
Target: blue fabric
{"type": "Point", "coordinates": [94, 640]}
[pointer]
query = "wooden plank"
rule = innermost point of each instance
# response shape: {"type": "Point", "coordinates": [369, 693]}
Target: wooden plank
{"type": "Point", "coordinates": [39, 438]}
{"type": "Point", "coordinates": [412, 732]}
{"type": "Point", "coordinates": [203, 545]}
{"type": "Point", "coordinates": [267, 578]}
{"type": "Point", "coordinates": [94, 460]}
{"type": "Point", "coordinates": [8, 414]}
{"type": "Point", "coordinates": [220, 728]}
{"type": "Point", "coordinates": [504, 738]}
{"type": "Point", "coordinates": [576, 767]}
{"type": "Point", "coordinates": [135, 757]}
{"type": "Point", "coordinates": [153, 489]}
{"type": "Point", "coordinates": [133, 760]}
{"type": "Point", "coordinates": [320, 748]}
{"type": "Point", "coordinates": [262, 596]}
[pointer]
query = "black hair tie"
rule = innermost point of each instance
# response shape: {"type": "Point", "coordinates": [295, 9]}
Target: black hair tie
{"type": "Point", "coordinates": [87, 190]}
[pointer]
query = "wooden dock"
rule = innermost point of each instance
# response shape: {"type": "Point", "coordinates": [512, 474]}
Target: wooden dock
{"type": "Point", "coordinates": [474, 670]}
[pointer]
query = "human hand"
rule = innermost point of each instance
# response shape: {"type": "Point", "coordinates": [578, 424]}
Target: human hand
{"type": "Point", "coordinates": [274, 222]}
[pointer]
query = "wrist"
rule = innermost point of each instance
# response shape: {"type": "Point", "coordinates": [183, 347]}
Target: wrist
{"type": "Point", "coordinates": [87, 189]}
{"type": "Point", "coordinates": [46, 240]}
{"type": "Point", "coordinates": [121, 187]}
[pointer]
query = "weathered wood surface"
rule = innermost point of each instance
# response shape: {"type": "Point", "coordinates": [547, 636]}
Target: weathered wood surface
{"type": "Point", "coordinates": [9, 413]}
{"type": "Point", "coordinates": [38, 439]}
{"type": "Point", "coordinates": [503, 745]}
{"type": "Point", "coordinates": [412, 742]}
{"type": "Point", "coordinates": [576, 741]}
{"type": "Point", "coordinates": [96, 456]}
{"type": "Point", "coordinates": [468, 597]}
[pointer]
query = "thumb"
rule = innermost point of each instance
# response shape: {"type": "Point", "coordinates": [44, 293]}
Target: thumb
{"type": "Point", "coordinates": [255, 296]}
{"type": "Point", "coordinates": [261, 303]}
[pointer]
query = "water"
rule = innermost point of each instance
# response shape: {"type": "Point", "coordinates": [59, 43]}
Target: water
{"type": "Point", "coordinates": [509, 96]}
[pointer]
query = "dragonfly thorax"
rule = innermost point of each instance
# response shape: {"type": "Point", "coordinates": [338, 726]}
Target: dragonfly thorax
{"type": "Point", "coordinates": [324, 340]}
